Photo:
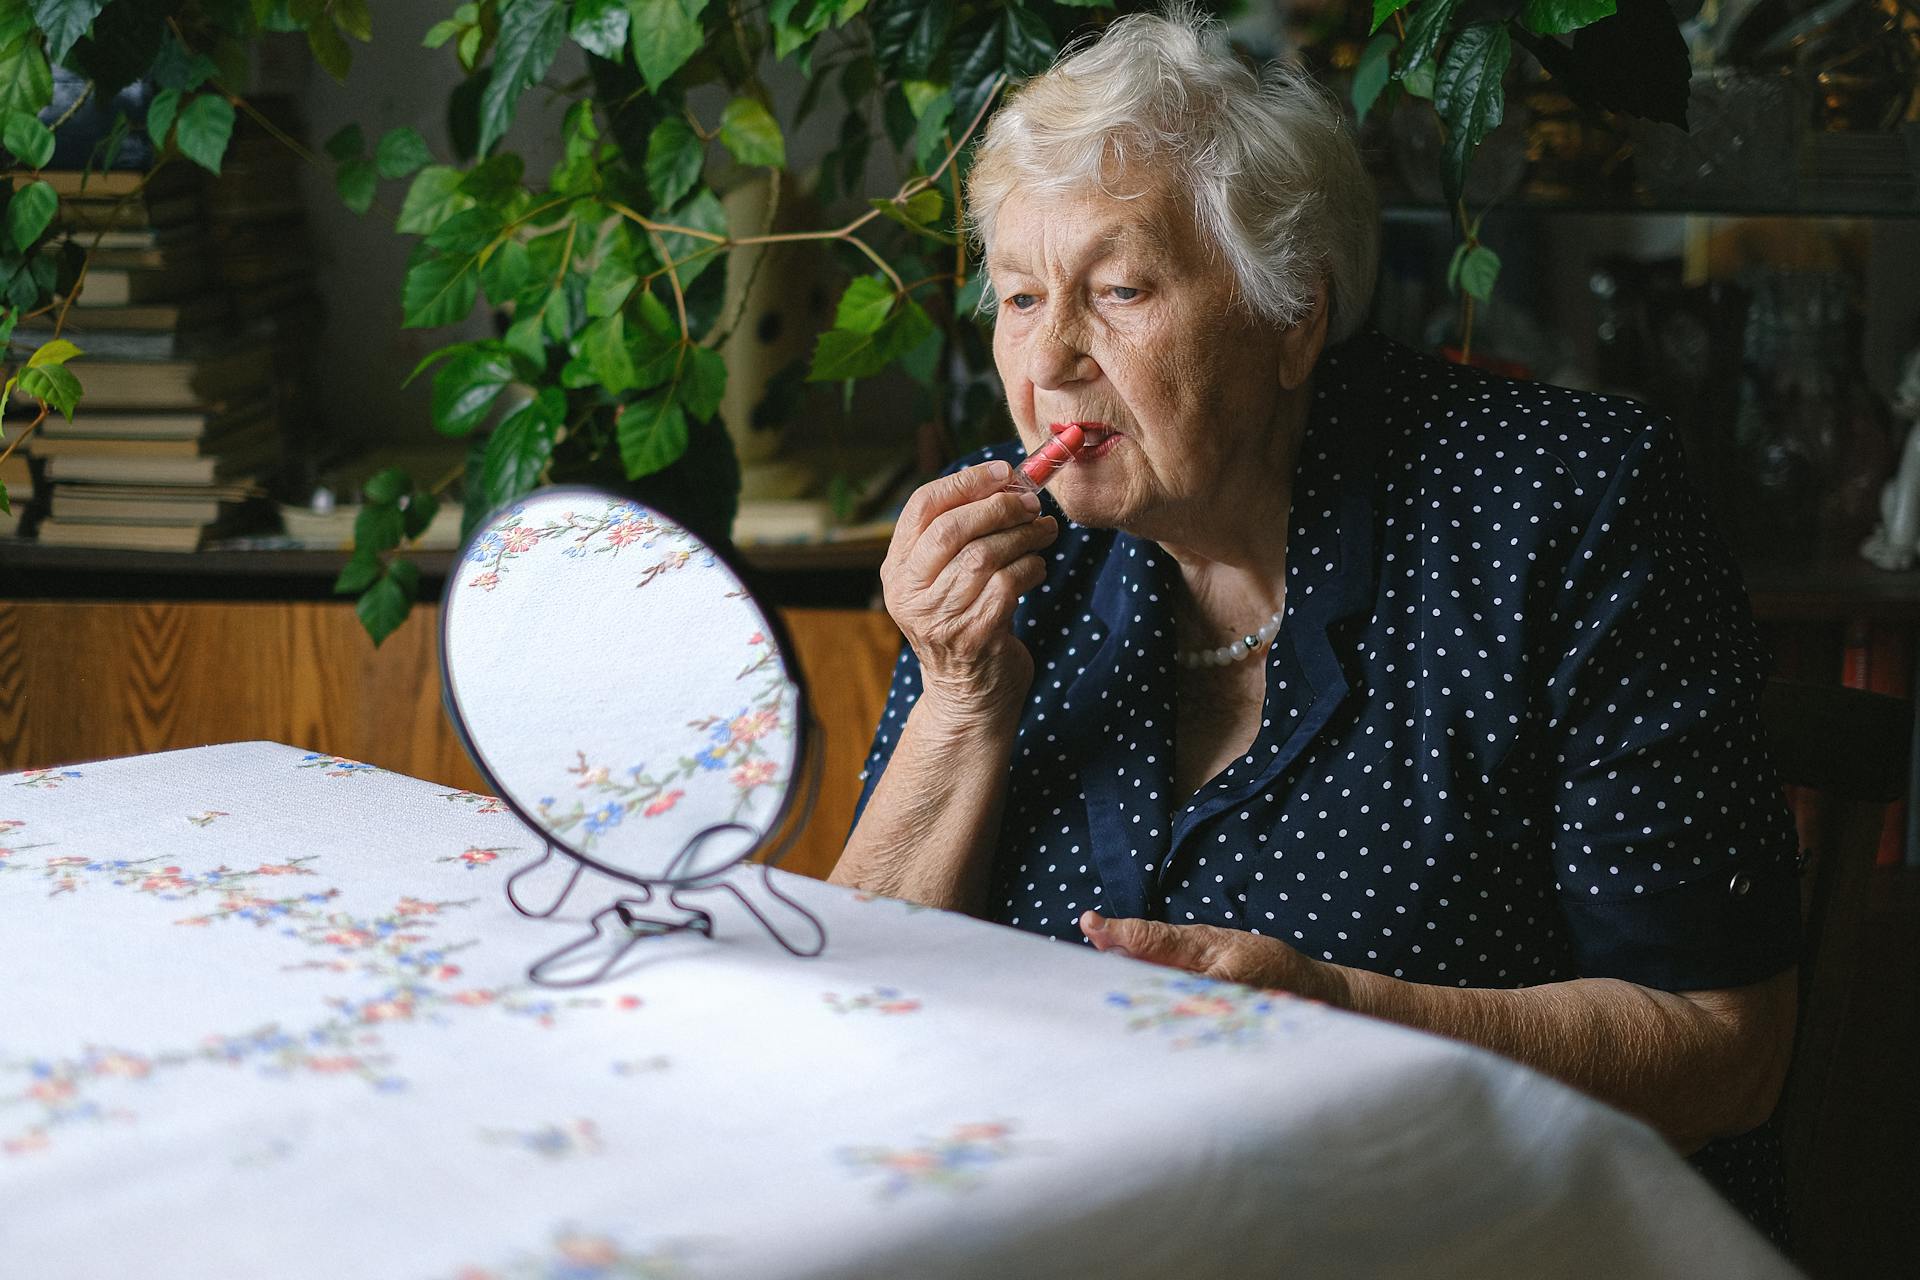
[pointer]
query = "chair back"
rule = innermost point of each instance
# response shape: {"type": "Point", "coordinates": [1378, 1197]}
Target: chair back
{"type": "Point", "coordinates": [1851, 749]}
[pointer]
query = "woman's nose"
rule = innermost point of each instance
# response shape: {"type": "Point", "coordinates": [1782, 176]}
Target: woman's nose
{"type": "Point", "coordinates": [1060, 358]}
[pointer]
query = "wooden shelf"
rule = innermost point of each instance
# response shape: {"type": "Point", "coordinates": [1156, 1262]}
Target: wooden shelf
{"type": "Point", "coordinates": [1786, 589]}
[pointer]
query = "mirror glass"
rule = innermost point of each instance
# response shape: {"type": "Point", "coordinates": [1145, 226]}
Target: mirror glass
{"type": "Point", "coordinates": [618, 684]}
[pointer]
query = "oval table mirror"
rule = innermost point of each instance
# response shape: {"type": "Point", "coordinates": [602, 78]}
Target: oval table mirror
{"type": "Point", "coordinates": [620, 688]}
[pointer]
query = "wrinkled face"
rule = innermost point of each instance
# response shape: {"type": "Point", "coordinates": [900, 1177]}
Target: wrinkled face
{"type": "Point", "coordinates": [1115, 314]}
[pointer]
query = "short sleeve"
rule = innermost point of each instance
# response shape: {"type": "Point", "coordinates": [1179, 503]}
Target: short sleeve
{"type": "Point", "coordinates": [901, 695]}
{"type": "Point", "coordinates": [1676, 854]}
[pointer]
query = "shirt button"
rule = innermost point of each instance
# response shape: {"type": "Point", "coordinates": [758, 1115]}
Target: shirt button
{"type": "Point", "coordinates": [1740, 885]}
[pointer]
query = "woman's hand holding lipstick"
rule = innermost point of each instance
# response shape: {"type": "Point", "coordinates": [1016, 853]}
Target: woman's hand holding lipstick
{"type": "Point", "coordinates": [963, 553]}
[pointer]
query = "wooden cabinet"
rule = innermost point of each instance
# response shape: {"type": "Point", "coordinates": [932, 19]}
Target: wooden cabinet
{"type": "Point", "coordinates": [84, 681]}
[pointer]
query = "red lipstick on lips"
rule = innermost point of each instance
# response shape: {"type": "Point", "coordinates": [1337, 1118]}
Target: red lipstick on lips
{"type": "Point", "coordinates": [1032, 475]}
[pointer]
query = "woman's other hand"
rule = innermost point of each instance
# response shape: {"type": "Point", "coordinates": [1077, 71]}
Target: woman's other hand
{"type": "Point", "coordinates": [1228, 955]}
{"type": "Point", "coordinates": [963, 554]}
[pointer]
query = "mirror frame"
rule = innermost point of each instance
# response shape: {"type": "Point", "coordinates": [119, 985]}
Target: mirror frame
{"type": "Point", "coordinates": [804, 744]}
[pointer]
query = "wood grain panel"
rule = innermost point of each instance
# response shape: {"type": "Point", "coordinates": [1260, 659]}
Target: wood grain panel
{"type": "Point", "coordinates": [85, 681]}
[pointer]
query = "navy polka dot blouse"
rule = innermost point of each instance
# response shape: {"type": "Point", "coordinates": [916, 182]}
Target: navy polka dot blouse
{"type": "Point", "coordinates": [1510, 734]}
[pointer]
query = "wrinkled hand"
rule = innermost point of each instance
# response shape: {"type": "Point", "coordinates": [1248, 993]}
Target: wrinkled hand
{"type": "Point", "coordinates": [963, 553]}
{"type": "Point", "coordinates": [1228, 955]}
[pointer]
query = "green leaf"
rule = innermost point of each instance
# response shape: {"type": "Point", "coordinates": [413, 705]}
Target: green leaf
{"type": "Point", "coordinates": [908, 34]}
{"type": "Point", "coordinates": [387, 485]}
{"type": "Point", "coordinates": [966, 301]}
{"type": "Point", "coordinates": [30, 141]}
{"type": "Point", "coordinates": [160, 113]}
{"type": "Point", "coordinates": [347, 143]}
{"type": "Point", "coordinates": [383, 607]}
{"type": "Point", "coordinates": [54, 384]}
{"type": "Point", "coordinates": [530, 36]}
{"type": "Point", "coordinates": [691, 254]}
{"type": "Point", "coordinates": [664, 36]}
{"type": "Point", "coordinates": [675, 156]}
{"type": "Point", "coordinates": [841, 353]}
{"type": "Point", "coordinates": [507, 271]}
{"type": "Point", "coordinates": [401, 151]}
{"type": "Point", "coordinates": [748, 130]}
{"type": "Point", "coordinates": [603, 345]}
{"type": "Point", "coordinates": [466, 386]}
{"type": "Point", "coordinates": [930, 133]}
{"type": "Point", "coordinates": [1419, 81]}
{"type": "Point", "coordinates": [652, 434]}
{"type": "Point", "coordinates": [467, 232]}
{"type": "Point", "coordinates": [518, 450]}
{"type": "Point", "coordinates": [1424, 34]}
{"type": "Point", "coordinates": [1557, 17]}
{"type": "Point", "coordinates": [64, 21]}
{"type": "Point", "coordinates": [496, 179]}
{"type": "Point", "coordinates": [703, 382]}
{"type": "Point", "coordinates": [59, 351]}
{"type": "Point", "coordinates": [420, 510]}
{"type": "Point", "coordinates": [1372, 72]}
{"type": "Point", "coordinates": [31, 209]}
{"type": "Point", "coordinates": [437, 290]}
{"type": "Point", "coordinates": [610, 285]}
{"type": "Point", "coordinates": [359, 573]}
{"type": "Point", "coordinates": [6, 503]}
{"type": "Point", "coordinates": [26, 81]}
{"type": "Point", "coordinates": [441, 32]}
{"type": "Point", "coordinates": [1027, 40]}
{"type": "Point", "coordinates": [1384, 9]}
{"type": "Point", "coordinates": [434, 197]}
{"type": "Point", "coordinates": [202, 130]}
{"type": "Point", "coordinates": [329, 50]}
{"type": "Point", "coordinates": [1468, 96]}
{"type": "Point", "coordinates": [378, 526]}
{"type": "Point", "coordinates": [600, 26]}
{"type": "Point", "coordinates": [921, 211]}
{"type": "Point", "coordinates": [865, 305]}
{"type": "Point", "coordinates": [1453, 266]}
{"type": "Point", "coordinates": [355, 180]}
{"type": "Point", "coordinates": [1478, 272]}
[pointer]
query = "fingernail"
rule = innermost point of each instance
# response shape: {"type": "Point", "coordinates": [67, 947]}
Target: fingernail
{"type": "Point", "coordinates": [999, 470]}
{"type": "Point", "coordinates": [1031, 502]}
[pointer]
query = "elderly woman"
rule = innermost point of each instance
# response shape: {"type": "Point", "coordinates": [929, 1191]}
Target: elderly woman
{"type": "Point", "coordinates": [1327, 666]}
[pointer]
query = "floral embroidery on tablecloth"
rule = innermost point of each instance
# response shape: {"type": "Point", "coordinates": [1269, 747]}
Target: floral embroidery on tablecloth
{"type": "Point", "coordinates": [335, 766]}
{"type": "Point", "coordinates": [1197, 1011]}
{"type": "Point", "coordinates": [957, 1162]}
{"type": "Point", "coordinates": [480, 803]}
{"type": "Point", "coordinates": [887, 1000]}
{"type": "Point", "coordinates": [577, 1254]}
{"type": "Point", "coordinates": [46, 779]}
{"type": "Point", "coordinates": [207, 818]}
{"type": "Point", "coordinates": [10, 849]}
{"type": "Point", "coordinates": [615, 527]}
{"type": "Point", "coordinates": [474, 858]}
{"type": "Point", "coordinates": [552, 1141]}
{"type": "Point", "coordinates": [410, 976]}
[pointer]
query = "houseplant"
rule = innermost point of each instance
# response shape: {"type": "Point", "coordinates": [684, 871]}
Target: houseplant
{"type": "Point", "coordinates": [612, 267]}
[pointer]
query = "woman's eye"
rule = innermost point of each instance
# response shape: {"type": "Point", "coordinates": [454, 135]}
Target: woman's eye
{"type": "Point", "coordinates": [1124, 293]}
{"type": "Point", "coordinates": [1021, 301]}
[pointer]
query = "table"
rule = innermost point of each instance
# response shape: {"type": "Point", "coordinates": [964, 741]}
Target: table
{"type": "Point", "coordinates": [265, 1014]}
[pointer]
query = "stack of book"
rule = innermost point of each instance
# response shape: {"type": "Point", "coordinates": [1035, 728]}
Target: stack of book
{"type": "Point", "coordinates": [175, 426]}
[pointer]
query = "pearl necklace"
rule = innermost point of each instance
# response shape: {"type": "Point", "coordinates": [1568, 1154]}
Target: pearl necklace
{"type": "Point", "coordinates": [1239, 649]}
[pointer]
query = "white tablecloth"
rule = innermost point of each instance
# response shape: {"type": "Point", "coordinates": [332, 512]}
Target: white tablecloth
{"type": "Point", "coordinates": [264, 1013]}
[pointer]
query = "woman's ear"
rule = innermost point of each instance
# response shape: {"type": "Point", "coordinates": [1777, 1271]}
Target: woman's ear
{"type": "Point", "coordinates": [1301, 344]}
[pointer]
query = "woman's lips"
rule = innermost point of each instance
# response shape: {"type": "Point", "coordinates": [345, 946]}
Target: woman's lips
{"type": "Point", "coordinates": [1100, 438]}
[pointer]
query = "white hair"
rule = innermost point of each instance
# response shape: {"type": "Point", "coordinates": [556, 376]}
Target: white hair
{"type": "Point", "coordinates": [1277, 184]}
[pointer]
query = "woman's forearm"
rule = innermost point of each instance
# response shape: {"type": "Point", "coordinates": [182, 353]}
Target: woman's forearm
{"type": "Point", "coordinates": [927, 832]}
{"type": "Point", "coordinates": [1696, 1066]}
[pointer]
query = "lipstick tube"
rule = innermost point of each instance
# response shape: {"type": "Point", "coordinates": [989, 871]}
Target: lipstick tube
{"type": "Point", "coordinates": [1032, 475]}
